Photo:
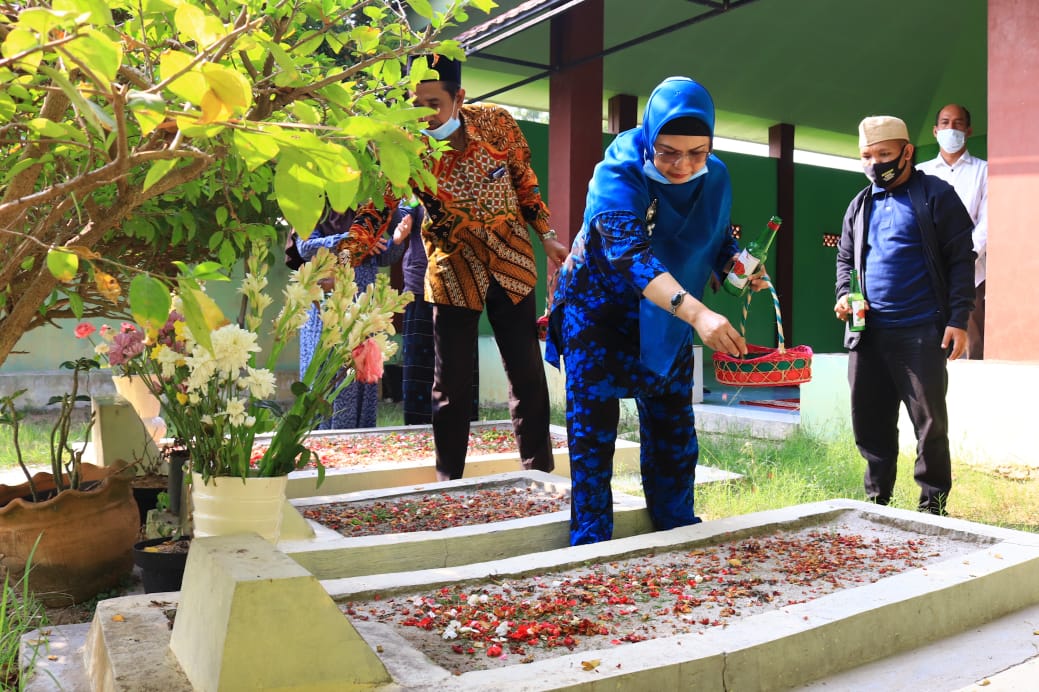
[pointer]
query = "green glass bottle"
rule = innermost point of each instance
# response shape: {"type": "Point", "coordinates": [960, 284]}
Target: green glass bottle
{"type": "Point", "coordinates": [857, 303]}
{"type": "Point", "coordinates": [753, 256]}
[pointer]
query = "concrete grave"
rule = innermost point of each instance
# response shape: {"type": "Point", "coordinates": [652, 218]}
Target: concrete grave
{"type": "Point", "coordinates": [388, 474]}
{"type": "Point", "coordinates": [969, 574]}
{"type": "Point", "coordinates": [329, 554]}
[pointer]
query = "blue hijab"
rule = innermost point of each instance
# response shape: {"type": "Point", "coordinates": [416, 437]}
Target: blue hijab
{"type": "Point", "coordinates": [690, 220]}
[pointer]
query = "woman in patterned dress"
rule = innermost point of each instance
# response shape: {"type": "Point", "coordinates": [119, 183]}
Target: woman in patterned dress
{"type": "Point", "coordinates": [656, 225]}
{"type": "Point", "coordinates": [357, 405]}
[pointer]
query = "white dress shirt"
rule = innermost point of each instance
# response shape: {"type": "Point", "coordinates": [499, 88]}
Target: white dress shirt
{"type": "Point", "coordinates": [969, 176]}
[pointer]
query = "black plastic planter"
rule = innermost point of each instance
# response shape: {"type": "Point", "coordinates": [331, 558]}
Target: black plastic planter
{"type": "Point", "coordinates": [161, 571]}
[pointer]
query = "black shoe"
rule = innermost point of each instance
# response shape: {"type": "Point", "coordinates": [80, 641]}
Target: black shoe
{"type": "Point", "coordinates": [935, 506]}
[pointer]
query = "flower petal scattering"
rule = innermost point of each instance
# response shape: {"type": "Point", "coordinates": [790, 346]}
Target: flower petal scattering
{"type": "Point", "coordinates": [631, 600]}
{"type": "Point", "coordinates": [436, 511]}
{"type": "Point", "coordinates": [359, 450]}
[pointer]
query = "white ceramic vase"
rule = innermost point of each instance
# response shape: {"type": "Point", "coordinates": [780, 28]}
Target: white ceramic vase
{"type": "Point", "coordinates": [136, 392]}
{"type": "Point", "coordinates": [229, 505]}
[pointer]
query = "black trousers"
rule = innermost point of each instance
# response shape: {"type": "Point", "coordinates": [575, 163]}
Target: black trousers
{"type": "Point", "coordinates": [893, 366]}
{"type": "Point", "coordinates": [419, 362]}
{"type": "Point", "coordinates": [455, 335]}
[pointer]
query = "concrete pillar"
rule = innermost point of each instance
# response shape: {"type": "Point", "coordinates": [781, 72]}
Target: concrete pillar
{"type": "Point", "coordinates": [1012, 315]}
{"type": "Point", "coordinates": [575, 131]}
{"type": "Point", "coordinates": [781, 148]}
{"type": "Point", "coordinates": [250, 618]}
{"type": "Point", "coordinates": [622, 113]}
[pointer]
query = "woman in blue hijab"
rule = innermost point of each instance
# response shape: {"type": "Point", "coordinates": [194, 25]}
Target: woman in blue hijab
{"type": "Point", "coordinates": [656, 225]}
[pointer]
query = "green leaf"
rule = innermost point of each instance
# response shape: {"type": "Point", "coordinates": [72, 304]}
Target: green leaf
{"type": "Point", "coordinates": [48, 128]}
{"type": "Point", "coordinates": [189, 86]}
{"type": "Point", "coordinates": [342, 189]}
{"type": "Point", "coordinates": [299, 191]}
{"type": "Point", "coordinates": [421, 7]}
{"type": "Point", "coordinates": [158, 171]}
{"type": "Point", "coordinates": [228, 85]}
{"type": "Point", "coordinates": [198, 26]}
{"type": "Point", "coordinates": [227, 253]}
{"type": "Point", "coordinates": [38, 20]}
{"type": "Point", "coordinates": [96, 10]}
{"type": "Point", "coordinates": [7, 107]}
{"type": "Point", "coordinates": [201, 313]}
{"type": "Point", "coordinates": [149, 302]}
{"type": "Point", "coordinates": [63, 265]}
{"type": "Point", "coordinates": [221, 216]}
{"type": "Point", "coordinates": [76, 305]}
{"type": "Point", "coordinates": [148, 119]}
{"type": "Point", "coordinates": [97, 53]}
{"type": "Point", "coordinates": [306, 113]}
{"type": "Point", "coordinates": [77, 99]}
{"type": "Point", "coordinates": [395, 164]}
{"type": "Point", "coordinates": [366, 38]}
{"type": "Point", "coordinates": [19, 40]}
{"type": "Point", "coordinates": [255, 148]}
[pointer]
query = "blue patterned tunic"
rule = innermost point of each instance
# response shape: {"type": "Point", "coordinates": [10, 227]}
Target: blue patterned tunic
{"type": "Point", "coordinates": [614, 343]}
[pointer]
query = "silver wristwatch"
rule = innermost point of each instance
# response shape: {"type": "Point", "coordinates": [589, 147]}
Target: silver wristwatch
{"type": "Point", "coordinates": [676, 300]}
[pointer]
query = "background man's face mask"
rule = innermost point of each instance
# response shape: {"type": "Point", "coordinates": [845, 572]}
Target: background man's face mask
{"type": "Point", "coordinates": [951, 140]}
{"type": "Point", "coordinates": [447, 128]}
{"type": "Point", "coordinates": [884, 174]}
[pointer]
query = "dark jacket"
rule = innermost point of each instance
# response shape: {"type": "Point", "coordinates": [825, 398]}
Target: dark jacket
{"type": "Point", "coordinates": [948, 249]}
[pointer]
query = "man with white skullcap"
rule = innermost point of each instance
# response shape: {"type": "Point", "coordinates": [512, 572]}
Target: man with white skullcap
{"type": "Point", "coordinates": [908, 235]}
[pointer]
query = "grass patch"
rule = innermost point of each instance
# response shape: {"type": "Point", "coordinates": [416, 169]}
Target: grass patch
{"type": "Point", "coordinates": [804, 469]}
{"type": "Point", "coordinates": [20, 613]}
{"type": "Point", "coordinates": [34, 433]}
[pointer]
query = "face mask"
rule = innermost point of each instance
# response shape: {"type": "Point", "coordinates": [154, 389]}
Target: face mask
{"type": "Point", "coordinates": [445, 130]}
{"type": "Point", "coordinates": [884, 174]}
{"type": "Point", "coordinates": [951, 140]}
{"type": "Point", "coordinates": [653, 173]}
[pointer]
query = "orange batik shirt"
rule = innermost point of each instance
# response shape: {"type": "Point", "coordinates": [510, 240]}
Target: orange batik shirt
{"type": "Point", "coordinates": [486, 196]}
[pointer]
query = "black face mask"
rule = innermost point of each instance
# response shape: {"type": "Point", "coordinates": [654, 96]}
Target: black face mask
{"type": "Point", "coordinates": [884, 174]}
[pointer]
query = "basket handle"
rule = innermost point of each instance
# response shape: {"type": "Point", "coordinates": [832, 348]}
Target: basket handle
{"type": "Point", "coordinates": [781, 341]}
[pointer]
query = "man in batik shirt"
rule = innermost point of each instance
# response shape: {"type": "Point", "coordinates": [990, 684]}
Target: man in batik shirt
{"type": "Point", "coordinates": [481, 256]}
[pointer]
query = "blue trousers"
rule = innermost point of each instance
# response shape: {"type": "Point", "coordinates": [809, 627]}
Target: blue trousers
{"type": "Point", "coordinates": [669, 453]}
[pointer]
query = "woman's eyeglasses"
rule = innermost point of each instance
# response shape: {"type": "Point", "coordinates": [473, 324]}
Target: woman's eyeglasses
{"type": "Point", "coordinates": [672, 158]}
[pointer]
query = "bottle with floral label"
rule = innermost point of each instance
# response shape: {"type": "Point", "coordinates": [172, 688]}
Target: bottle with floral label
{"type": "Point", "coordinates": [750, 259]}
{"type": "Point", "coordinates": [857, 303]}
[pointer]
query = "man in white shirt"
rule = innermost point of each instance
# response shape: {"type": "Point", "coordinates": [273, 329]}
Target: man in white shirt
{"type": "Point", "coordinates": [969, 176]}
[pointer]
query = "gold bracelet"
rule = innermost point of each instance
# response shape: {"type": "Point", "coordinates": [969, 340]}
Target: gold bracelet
{"type": "Point", "coordinates": [550, 234]}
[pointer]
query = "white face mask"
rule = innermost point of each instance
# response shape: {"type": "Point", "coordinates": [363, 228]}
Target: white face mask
{"type": "Point", "coordinates": [653, 173]}
{"type": "Point", "coordinates": [951, 140]}
{"type": "Point", "coordinates": [447, 128]}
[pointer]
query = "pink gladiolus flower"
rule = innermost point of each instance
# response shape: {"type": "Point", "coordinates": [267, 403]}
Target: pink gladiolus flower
{"type": "Point", "coordinates": [84, 329]}
{"type": "Point", "coordinates": [368, 361]}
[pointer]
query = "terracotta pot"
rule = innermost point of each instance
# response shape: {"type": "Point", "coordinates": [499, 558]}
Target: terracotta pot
{"type": "Point", "coordinates": [228, 505]}
{"type": "Point", "coordinates": [87, 535]}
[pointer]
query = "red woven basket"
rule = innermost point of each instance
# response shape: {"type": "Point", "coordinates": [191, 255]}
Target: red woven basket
{"type": "Point", "coordinates": [764, 367]}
